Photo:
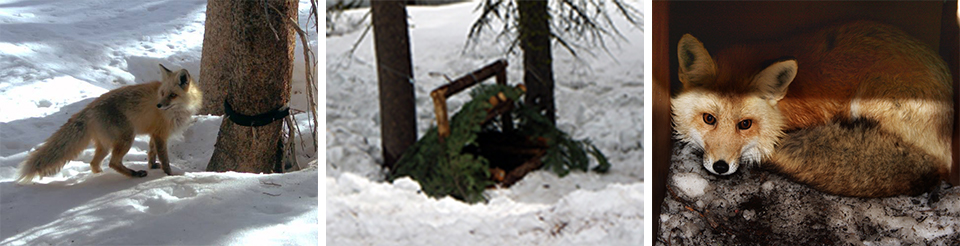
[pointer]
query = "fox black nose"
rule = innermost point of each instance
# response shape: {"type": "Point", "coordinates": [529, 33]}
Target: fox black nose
{"type": "Point", "coordinates": [721, 166]}
{"type": "Point", "coordinates": [159, 106]}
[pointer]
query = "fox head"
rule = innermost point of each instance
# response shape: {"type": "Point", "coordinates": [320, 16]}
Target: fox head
{"type": "Point", "coordinates": [729, 113]}
{"type": "Point", "coordinates": [176, 89]}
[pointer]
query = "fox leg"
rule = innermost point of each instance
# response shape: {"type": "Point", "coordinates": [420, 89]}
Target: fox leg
{"type": "Point", "coordinates": [160, 144]}
{"type": "Point", "coordinates": [98, 156]}
{"type": "Point", "coordinates": [120, 148]}
{"type": "Point", "coordinates": [152, 155]}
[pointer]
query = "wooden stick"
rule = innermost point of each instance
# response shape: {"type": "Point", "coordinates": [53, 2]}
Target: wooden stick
{"type": "Point", "coordinates": [512, 150]}
{"type": "Point", "coordinates": [443, 92]}
{"type": "Point", "coordinates": [517, 173]}
{"type": "Point", "coordinates": [473, 78]}
{"type": "Point", "coordinates": [440, 110]}
{"type": "Point", "coordinates": [499, 109]}
{"type": "Point", "coordinates": [506, 121]}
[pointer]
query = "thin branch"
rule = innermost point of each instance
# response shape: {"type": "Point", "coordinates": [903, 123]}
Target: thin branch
{"type": "Point", "coordinates": [266, 14]}
{"type": "Point", "coordinates": [363, 35]}
{"type": "Point", "coordinates": [564, 44]}
{"type": "Point", "coordinates": [573, 21]}
{"type": "Point", "coordinates": [316, 19]}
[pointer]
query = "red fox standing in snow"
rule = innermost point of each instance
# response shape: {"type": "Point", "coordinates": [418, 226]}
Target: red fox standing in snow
{"type": "Point", "coordinates": [159, 108]}
{"type": "Point", "coordinates": [859, 109]}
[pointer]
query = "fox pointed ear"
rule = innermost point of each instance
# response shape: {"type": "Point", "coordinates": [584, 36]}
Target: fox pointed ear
{"type": "Point", "coordinates": [164, 72]}
{"type": "Point", "coordinates": [696, 65]}
{"type": "Point", "coordinates": [183, 78]}
{"type": "Point", "coordinates": [774, 80]}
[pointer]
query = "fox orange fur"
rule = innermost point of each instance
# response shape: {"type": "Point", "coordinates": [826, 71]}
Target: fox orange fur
{"type": "Point", "coordinates": [159, 109]}
{"type": "Point", "coordinates": [857, 109]}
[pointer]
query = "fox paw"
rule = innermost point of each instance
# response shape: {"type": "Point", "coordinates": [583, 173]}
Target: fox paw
{"type": "Point", "coordinates": [139, 174]}
{"type": "Point", "coordinates": [154, 165]}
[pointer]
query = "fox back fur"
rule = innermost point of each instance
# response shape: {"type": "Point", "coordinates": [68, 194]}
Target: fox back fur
{"type": "Point", "coordinates": [857, 109]}
{"type": "Point", "coordinates": [159, 109]}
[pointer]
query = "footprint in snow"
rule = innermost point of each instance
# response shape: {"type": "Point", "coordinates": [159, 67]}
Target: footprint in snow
{"type": "Point", "coordinates": [183, 192]}
{"type": "Point", "coordinates": [44, 103]}
{"type": "Point", "coordinates": [157, 205]}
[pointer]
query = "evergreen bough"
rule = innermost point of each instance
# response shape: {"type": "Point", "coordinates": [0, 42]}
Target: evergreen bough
{"type": "Point", "coordinates": [448, 170]}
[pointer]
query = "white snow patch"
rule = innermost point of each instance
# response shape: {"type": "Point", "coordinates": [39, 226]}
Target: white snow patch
{"type": "Point", "coordinates": [691, 184]}
{"type": "Point", "coordinates": [27, 103]}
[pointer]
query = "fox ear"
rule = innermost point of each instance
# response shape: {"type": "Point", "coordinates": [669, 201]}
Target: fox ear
{"type": "Point", "coordinates": [696, 65]}
{"type": "Point", "coordinates": [164, 72]}
{"type": "Point", "coordinates": [774, 80]}
{"type": "Point", "coordinates": [183, 78]}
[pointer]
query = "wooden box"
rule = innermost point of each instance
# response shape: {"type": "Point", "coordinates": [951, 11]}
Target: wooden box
{"type": "Point", "coordinates": [932, 22]}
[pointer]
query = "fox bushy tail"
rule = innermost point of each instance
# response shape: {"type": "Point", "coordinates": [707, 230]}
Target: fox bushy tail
{"type": "Point", "coordinates": [855, 158]}
{"type": "Point", "coordinates": [61, 147]}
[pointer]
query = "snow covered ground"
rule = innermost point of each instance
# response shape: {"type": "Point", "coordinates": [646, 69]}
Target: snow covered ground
{"type": "Point", "coordinates": [598, 97]}
{"type": "Point", "coordinates": [55, 57]}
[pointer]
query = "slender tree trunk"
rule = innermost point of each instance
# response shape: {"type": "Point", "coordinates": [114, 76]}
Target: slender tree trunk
{"type": "Point", "coordinates": [261, 47]}
{"type": "Point", "coordinates": [534, 23]}
{"type": "Point", "coordinates": [398, 125]}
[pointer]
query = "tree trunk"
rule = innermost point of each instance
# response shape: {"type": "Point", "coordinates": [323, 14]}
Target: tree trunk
{"type": "Point", "coordinates": [534, 31]}
{"type": "Point", "coordinates": [216, 62]}
{"type": "Point", "coordinates": [260, 45]}
{"type": "Point", "coordinates": [398, 125]}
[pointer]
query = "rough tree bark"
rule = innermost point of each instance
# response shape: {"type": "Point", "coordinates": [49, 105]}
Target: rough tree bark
{"type": "Point", "coordinates": [216, 62]}
{"type": "Point", "coordinates": [398, 126]}
{"type": "Point", "coordinates": [260, 44]}
{"type": "Point", "coordinates": [534, 28]}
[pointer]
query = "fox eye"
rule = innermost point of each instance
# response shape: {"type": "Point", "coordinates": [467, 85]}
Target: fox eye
{"type": "Point", "coordinates": [172, 96]}
{"type": "Point", "coordinates": [709, 119]}
{"type": "Point", "coordinates": [744, 124]}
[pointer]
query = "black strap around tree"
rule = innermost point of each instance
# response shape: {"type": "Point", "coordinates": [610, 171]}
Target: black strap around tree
{"type": "Point", "coordinates": [256, 120]}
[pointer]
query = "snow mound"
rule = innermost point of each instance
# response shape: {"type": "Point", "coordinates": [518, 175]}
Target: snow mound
{"type": "Point", "coordinates": [195, 208]}
{"type": "Point", "coordinates": [598, 97]}
{"type": "Point", "coordinates": [360, 211]}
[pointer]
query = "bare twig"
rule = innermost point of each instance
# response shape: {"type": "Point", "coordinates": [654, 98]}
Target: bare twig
{"type": "Point", "coordinates": [313, 12]}
{"type": "Point", "coordinates": [271, 194]}
{"type": "Point", "coordinates": [289, 150]}
{"type": "Point", "coordinates": [366, 30]}
{"type": "Point", "coordinates": [686, 204]}
{"type": "Point", "coordinates": [269, 183]}
{"type": "Point", "coordinates": [579, 20]}
{"type": "Point", "coordinates": [267, 15]}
